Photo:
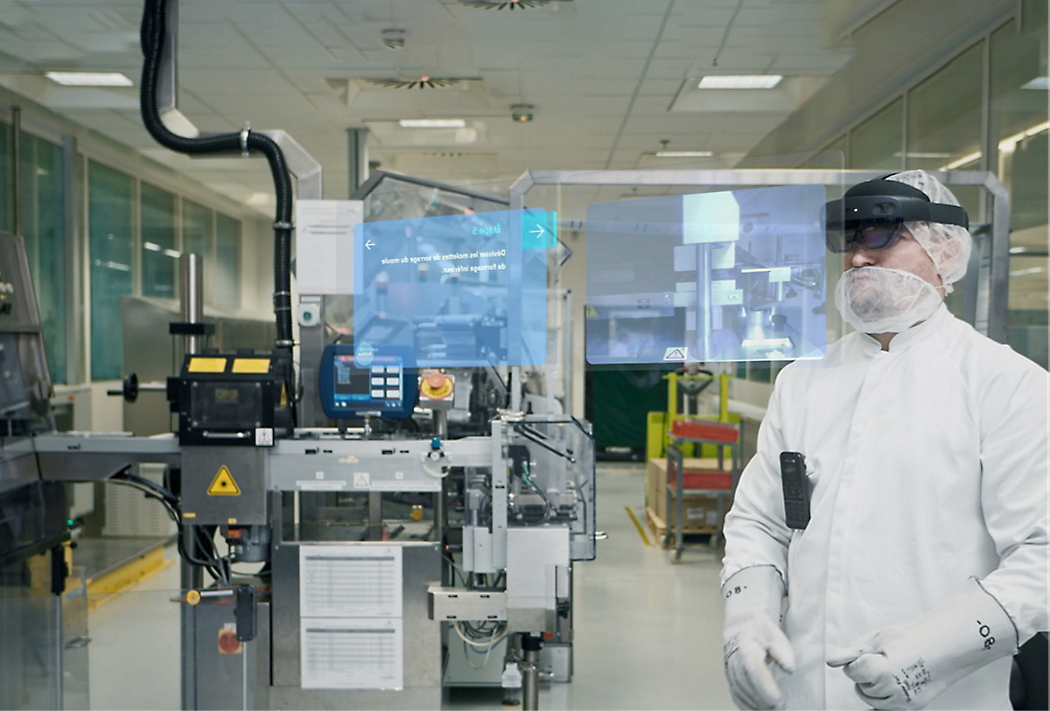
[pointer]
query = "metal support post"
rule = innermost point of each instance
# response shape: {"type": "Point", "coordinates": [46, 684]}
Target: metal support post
{"type": "Point", "coordinates": [192, 298]}
{"type": "Point", "coordinates": [357, 157]}
{"type": "Point", "coordinates": [530, 672]}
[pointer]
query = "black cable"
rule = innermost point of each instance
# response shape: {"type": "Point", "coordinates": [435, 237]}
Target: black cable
{"type": "Point", "coordinates": [533, 438]}
{"type": "Point", "coordinates": [171, 510]}
{"type": "Point", "coordinates": [455, 570]}
{"type": "Point", "coordinates": [152, 36]}
{"type": "Point", "coordinates": [526, 476]}
{"type": "Point", "coordinates": [217, 566]}
{"type": "Point", "coordinates": [166, 494]}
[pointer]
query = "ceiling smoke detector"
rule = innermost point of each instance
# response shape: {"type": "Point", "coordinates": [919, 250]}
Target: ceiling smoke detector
{"type": "Point", "coordinates": [505, 4]}
{"type": "Point", "coordinates": [423, 82]}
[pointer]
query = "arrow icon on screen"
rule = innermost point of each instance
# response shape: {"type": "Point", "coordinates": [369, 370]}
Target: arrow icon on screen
{"type": "Point", "coordinates": [369, 244]}
{"type": "Point", "coordinates": [539, 231]}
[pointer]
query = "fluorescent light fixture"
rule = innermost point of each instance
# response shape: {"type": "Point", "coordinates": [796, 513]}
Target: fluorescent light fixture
{"type": "Point", "coordinates": [740, 81]}
{"type": "Point", "coordinates": [173, 253]}
{"type": "Point", "coordinates": [432, 123]}
{"type": "Point", "coordinates": [89, 78]}
{"type": "Point", "coordinates": [684, 154]}
{"type": "Point", "coordinates": [259, 199]}
{"type": "Point", "coordinates": [965, 160]}
{"type": "Point", "coordinates": [1038, 83]}
{"type": "Point", "coordinates": [113, 265]}
{"type": "Point", "coordinates": [152, 246]}
{"type": "Point", "coordinates": [1009, 143]}
{"type": "Point", "coordinates": [1026, 272]}
{"type": "Point", "coordinates": [898, 154]}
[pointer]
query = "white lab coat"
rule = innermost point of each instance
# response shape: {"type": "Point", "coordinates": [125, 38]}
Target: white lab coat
{"type": "Point", "coordinates": [927, 465]}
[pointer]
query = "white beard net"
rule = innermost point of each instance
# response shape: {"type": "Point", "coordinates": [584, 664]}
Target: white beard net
{"type": "Point", "coordinates": [877, 300]}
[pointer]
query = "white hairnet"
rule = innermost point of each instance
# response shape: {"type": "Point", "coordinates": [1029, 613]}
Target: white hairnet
{"type": "Point", "coordinates": [948, 245]}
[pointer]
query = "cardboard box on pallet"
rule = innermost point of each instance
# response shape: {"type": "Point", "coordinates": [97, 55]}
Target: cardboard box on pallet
{"type": "Point", "coordinates": [700, 511]}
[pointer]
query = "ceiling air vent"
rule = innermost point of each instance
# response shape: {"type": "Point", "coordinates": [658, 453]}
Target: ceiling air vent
{"type": "Point", "coordinates": [423, 82]}
{"type": "Point", "coordinates": [506, 4]}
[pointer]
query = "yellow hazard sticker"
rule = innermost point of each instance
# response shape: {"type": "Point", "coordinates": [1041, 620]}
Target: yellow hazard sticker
{"type": "Point", "coordinates": [207, 365]}
{"type": "Point", "coordinates": [251, 365]}
{"type": "Point", "coordinates": [223, 484]}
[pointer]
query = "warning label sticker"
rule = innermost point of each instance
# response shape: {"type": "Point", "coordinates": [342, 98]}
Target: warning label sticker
{"type": "Point", "coordinates": [223, 484]}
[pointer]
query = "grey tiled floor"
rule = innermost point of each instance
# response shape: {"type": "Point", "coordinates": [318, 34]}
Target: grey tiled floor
{"type": "Point", "coordinates": [647, 632]}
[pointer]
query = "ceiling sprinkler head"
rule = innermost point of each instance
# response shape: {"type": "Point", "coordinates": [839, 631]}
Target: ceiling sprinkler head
{"type": "Point", "coordinates": [393, 38]}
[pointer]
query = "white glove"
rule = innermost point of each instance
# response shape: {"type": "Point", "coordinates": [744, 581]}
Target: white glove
{"type": "Point", "coordinates": [752, 637]}
{"type": "Point", "coordinates": [907, 666]}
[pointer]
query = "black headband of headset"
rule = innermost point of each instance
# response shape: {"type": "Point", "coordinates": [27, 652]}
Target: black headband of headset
{"type": "Point", "coordinates": [882, 200]}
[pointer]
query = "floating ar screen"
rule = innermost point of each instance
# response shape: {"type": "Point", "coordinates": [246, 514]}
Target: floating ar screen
{"type": "Point", "coordinates": [722, 276]}
{"type": "Point", "coordinates": [460, 290]}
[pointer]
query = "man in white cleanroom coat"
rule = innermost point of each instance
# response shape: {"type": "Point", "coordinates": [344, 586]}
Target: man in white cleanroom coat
{"type": "Point", "coordinates": [923, 565]}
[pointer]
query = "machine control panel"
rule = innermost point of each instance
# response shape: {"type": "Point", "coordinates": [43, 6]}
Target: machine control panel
{"type": "Point", "coordinates": [365, 380]}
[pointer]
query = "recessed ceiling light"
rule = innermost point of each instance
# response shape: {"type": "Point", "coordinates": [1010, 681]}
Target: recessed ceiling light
{"type": "Point", "coordinates": [1038, 83]}
{"type": "Point", "coordinates": [740, 81]}
{"type": "Point", "coordinates": [89, 78]}
{"type": "Point", "coordinates": [684, 154]}
{"type": "Point", "coordinates": [432, 123]}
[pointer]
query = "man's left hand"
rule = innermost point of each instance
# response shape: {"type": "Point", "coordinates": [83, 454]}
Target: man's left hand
{"type": "Point", "coordinates": [909, 665]}
{"type": "Point", "coordinates": [888, 673]}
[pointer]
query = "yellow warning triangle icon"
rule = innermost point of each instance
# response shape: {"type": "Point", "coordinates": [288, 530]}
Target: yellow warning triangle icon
{"type": "Point", "coordinates": [223, 484]}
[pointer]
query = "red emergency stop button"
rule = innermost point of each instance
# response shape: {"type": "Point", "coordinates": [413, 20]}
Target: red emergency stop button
{"type": "Point", "coordinates": [437, 386]}
{"type": "Point", "coordinates": [228, 642]}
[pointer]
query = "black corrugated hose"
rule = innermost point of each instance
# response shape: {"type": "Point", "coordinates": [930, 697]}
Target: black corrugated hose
{"type": "Point", "coordinates": [152, 37]}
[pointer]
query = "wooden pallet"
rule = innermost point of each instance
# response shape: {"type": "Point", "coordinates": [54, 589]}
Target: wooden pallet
{"type": "Point", "coordinates": [658, 526]}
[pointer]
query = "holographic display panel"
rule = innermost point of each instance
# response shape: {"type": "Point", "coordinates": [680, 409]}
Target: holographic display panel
{"type": "Point", "coordinates": [459, 290]}
{"type": "Point", "coordinates": [720, 276]}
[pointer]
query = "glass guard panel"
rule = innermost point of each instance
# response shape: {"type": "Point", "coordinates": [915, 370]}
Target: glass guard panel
{"type": "Point", "coordinates": [111, 650]}
{"type": "Point", "coordinates": [7, 190]}
{"type": "Point", "coordinates": [110, 230]}
{"type": "Point", "coordinates": [135, 653]}
{"type": "Point", "coordinates": [1018, 122]}
{"type": "Point", "coordinates": [43, 228]}
{"type": "Point", "coordinates": [159, 255]}
{"type": "Point", "coordinates": [386, 196]}
{"type": "Point", "coordinates": [227, 262]}
{"type": "Point", "coordinates": [552, 479]}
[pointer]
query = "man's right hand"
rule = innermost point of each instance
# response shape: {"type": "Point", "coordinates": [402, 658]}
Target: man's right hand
{"type": "Point", "coordinates": [752, 638]}
{"type": "Point", "coordinates": [748, 654]}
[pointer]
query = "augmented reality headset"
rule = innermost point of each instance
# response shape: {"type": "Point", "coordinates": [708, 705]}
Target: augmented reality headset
{"type": "Point", "coordinates": [872, 214]}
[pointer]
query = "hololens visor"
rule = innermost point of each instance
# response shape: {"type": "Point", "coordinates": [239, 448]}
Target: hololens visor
{"type": "Point", "coordinates": [871, 215]}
